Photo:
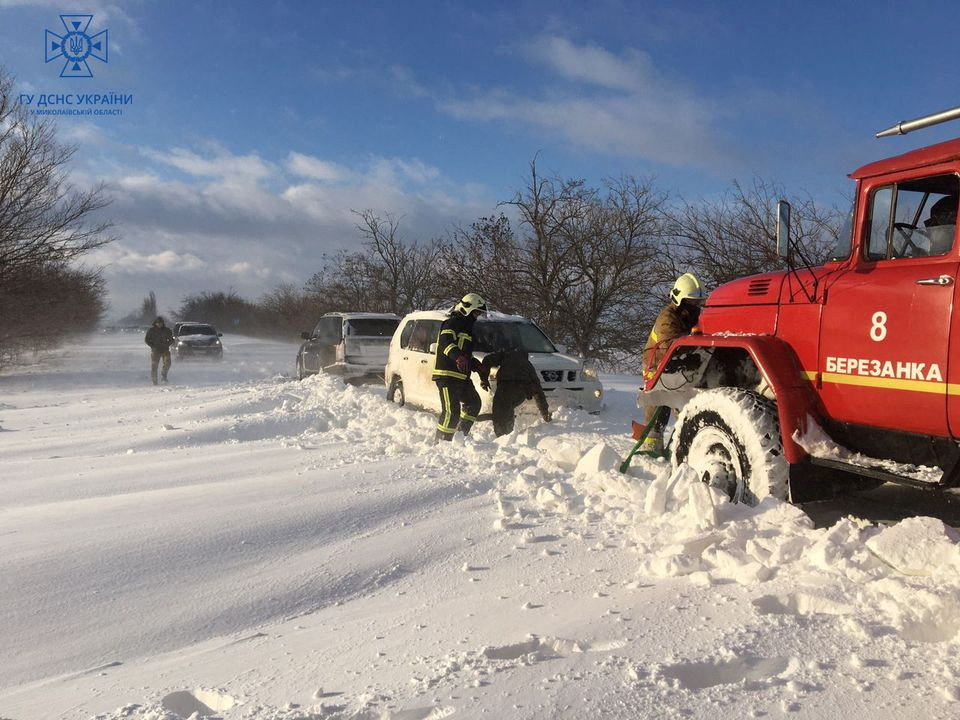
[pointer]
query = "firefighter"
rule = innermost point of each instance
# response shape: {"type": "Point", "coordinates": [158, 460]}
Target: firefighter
{"type": "Point", "coordinates": [453, 365]}
{"type": "Point", "coordinates": [679, 317]}
{"type": "Point", "coordinates": [942, 224]}
{"type": "Point", "coordinates": [517, 381]}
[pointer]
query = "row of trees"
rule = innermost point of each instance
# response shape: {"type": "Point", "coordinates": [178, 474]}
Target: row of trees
{"type": "Point", "coordinates": [45, 228]}
{"type": "Point", "coordinates": [591, 265]}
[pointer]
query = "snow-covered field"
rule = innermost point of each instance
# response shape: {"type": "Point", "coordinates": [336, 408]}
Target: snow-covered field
{"type": "Point", "coordinates": [241, 545]}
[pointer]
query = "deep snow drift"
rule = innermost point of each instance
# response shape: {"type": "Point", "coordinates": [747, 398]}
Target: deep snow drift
{"type": "Point", "coordinates": [241, 545]}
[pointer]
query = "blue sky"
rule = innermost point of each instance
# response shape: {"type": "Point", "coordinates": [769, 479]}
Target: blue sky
{"type": "Point", "coordinates": [257, 127]}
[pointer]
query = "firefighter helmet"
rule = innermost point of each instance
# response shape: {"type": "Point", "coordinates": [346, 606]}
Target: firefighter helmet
{"type": "Point", "coordinates": [687, 287]}
{"type": "Point", "coordinates": [470, 302]}
{"type": "Point", "coordinates": [943, 212]}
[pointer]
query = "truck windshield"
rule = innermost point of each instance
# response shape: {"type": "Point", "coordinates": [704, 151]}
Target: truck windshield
{"type": "Point", "coordinates": [492, 335]}
{"type": "Point", "coordinates": [372, 327]}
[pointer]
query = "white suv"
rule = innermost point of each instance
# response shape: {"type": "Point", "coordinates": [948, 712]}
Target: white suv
{"type": "Point", "coordinates": [566, 380]}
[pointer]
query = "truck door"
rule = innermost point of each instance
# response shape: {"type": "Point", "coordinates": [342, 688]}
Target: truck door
{"type": "Point", "coordinates": [886, 322]}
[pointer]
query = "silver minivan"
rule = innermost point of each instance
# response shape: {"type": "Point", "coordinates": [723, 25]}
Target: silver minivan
{"type": "Point", "coordinates": [352, 344]}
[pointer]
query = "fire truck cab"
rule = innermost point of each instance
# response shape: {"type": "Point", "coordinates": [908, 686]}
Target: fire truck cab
{"type": "Point", "coordinates": [852, 366]}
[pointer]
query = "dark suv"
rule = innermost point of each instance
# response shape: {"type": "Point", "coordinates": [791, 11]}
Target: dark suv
{"type": "Point", "coordinates": [196, 339]}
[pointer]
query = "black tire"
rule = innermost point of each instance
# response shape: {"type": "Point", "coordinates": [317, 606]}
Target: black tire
{"type": "Point", "coordinates": [731, 437]}
{"type": "Point", "coordinates": [300, 373]}
{"type": "Point", "coordinates": [395, 392]}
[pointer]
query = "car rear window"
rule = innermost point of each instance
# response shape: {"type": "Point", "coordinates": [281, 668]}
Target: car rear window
{"type": "Point", "coordinates": [372, 327]}
{"type": "Point", "coordinates": [197, 330]}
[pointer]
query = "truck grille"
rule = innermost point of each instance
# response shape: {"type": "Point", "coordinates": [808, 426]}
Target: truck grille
{"type": "Point", "coordinates": [552, 376]}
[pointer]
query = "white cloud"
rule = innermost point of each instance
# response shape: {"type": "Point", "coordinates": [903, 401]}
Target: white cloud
{"type": "Point", "coordinates": [242, 222]}
{"type": "Point", "coordinates": [119, 257]}
{"type": "Point", "coordinates": [314, 168]}
{"type": "Point", "coordinates": [617, 104]}
{"type": "Point", "coordinates": [594, 65]}
{"type": "Point", "coordinates": [223, 164]}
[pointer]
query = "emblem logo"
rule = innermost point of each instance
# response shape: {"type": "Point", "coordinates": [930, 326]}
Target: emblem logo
{"type": "Point", "coordinates": [76, 46]}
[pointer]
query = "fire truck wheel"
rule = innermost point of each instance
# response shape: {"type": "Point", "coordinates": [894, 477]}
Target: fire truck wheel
{"type": "Point", "coordinates": [731, 437]}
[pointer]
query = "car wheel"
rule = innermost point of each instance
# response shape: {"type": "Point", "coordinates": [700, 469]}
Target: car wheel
{"type": "Point", "coordinates": [731, 438]}
{"type": "Point", "coordinates": [395, 392]}
{"type": "Point", "coordinates": [300, 373]}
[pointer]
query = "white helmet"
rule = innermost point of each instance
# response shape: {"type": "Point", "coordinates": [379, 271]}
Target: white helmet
{"type": "Point", "coordinates": [687, 287]}
{"type": "Point", "coordinates": [470, 302]}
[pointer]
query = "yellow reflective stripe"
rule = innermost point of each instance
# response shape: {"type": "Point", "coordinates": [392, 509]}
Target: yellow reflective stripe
{"type": "Point", "coordinates": [448, 411]}
{"type": "Point", "coordinates": [448, 330]}
{"type": "Point", "coordinates": [924, 386]}
{"type": "Point", "coordinates": [654, 336]}
{"type": "Point", "coordinates": [462, 338]}
{"type": "Point", "coordinates": [448, 431]}
{"type": "Point", "coordinates": [448, 348]}
{"type": "Point", "coordinates": [464, 416]}
{"type": "Point", "coordinates": [450, 373]}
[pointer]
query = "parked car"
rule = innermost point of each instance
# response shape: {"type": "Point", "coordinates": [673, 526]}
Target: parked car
{"type": "Point", "coordinates": [196, 339]}
{"type": "Point", "coordinates": [350, 344]}
{"type": "Point", "coordinates": [566, 380]}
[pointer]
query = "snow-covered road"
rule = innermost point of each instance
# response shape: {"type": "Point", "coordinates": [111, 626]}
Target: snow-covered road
{"type": "Point", "coordinates": [241, 545]}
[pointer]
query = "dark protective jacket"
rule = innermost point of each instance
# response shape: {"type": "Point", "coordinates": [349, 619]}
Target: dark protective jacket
{"type": "Point", "coordinates": [672, 322]}
{"type": "Point", "coordinates": [516, 377]}
{"type": "Point", "coordinates": [454, 340]}
{"type": "Point", "coordinates": [159, 338]}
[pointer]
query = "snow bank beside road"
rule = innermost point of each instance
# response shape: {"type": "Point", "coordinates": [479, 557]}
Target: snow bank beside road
{"type": "Point", "coordinates": [282, 550]}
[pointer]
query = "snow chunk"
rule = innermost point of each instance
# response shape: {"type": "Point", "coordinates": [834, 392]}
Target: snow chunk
{"type": "Point", "coordinates": [919, 546]}
{"type": "Point", "coordinates": [600, 458]}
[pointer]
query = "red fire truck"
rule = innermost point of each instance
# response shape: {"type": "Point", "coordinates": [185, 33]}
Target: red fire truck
{"type": "Point", "coordinates": [846, 370]}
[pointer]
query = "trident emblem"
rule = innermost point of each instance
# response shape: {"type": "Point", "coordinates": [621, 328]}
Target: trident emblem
{"type": "Point", "coordinates": [76, 46]}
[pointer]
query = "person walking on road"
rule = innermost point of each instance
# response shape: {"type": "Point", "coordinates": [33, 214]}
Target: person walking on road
{"type": "Point", "coordinates": [517, 382]}
{"type": "Point", "coordinates": [453, 365]}
{"type": "Point", "coordinates": [679, 317]}
{"type": "Point", "coordinates": [159, 337]}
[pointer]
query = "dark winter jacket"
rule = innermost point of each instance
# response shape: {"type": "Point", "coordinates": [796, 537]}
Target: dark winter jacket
{"type": "Point", "coordinates": [516, 376]}
{"type": "Point", "coordinates": [159, 338]}
{"type": "Point", "coordinates": [455, 340]}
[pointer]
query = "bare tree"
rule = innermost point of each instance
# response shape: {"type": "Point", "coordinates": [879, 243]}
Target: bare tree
{"type": "Point", "coordinates": [549, 209]}
{"type": "Point", "coordinates": [42, 218]}
{"type": "Point", "coordinates": [45, 226]}
{"type": "Point", "coordinates": [736, 235]}
{"type": "Point", "coordinates": [403, 268]}
{"type": "Point", "coordinates": [484, 258]}
{"type": "Point", "coordinates": [610, 300]}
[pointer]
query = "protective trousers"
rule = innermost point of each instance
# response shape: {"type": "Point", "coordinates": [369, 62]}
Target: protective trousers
{"type": "Point", "coordinates": [155, 356]}
{"type": "Point", "coordinates": [453, 395]}
{"type": "Point", "coordinates": [508, 398]}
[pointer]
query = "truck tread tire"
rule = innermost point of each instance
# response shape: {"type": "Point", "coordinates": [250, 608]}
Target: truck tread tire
{"type": "Point", "coordinates": [731, 437]}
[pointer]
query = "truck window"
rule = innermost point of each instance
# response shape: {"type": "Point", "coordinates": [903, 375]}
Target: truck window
{"type": "Point", "coordinates": [841, 251]}
{"type": "Point", "coordinates": [878, 223]}
{"type": "Point", "coordinates": [915, 218]}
